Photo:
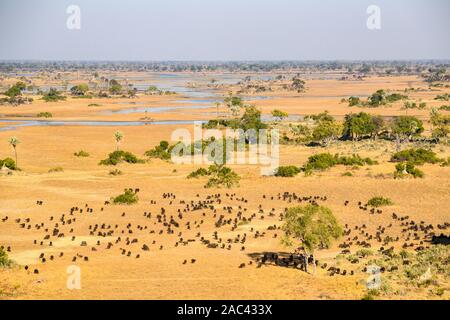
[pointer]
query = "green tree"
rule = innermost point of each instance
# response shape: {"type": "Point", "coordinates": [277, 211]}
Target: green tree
{"type": "Point", "coordinates": [315, 227]}
{"type": "Point", "coordinates": [234, 104]}
{"type": "Point", "coordinates": [279, 115]}
{"type": "Point", "coordinates": [251, 119]}
{"type": "Point", "coordinates": [14, 142]}
{"type": "Point", "coordinates": [79, 90]}
{"type": "Point", "coordinates": [407, 127]}
{"type": "Point", "coordinates": [118, 136]}
{"type": "Point", "coordinates": [326, 131]}
{"type": "Point", "coordinates": [359, 125]}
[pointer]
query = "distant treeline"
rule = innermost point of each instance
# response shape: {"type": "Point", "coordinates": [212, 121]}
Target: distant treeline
{"type": "Point", "coordinates": [388, 67]}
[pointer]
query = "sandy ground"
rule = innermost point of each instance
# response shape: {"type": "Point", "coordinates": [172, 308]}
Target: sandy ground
{"type": "Point", "coordinates": [161, 274]}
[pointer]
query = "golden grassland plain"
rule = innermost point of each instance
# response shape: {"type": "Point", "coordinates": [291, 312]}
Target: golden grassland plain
{"type": "Point", "coordinates": [161, 274]}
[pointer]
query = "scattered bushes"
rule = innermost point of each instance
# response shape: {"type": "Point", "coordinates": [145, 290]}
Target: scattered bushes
{"type": "Point", "coordinates": [53, 95]}
{"type": "Point", "coordinates": [128, 197]}
{"type": "Point", "coordinates": [44, 115]}
{"type": "Point", "coordinates": [81, 154]}
{"type": "Point", "coordinates": [202, 172]}
{"type": "Point", "coordinates": [219, 176]}
{"type": "Point", "coordinates": [162, 151]}
{"type": "Point", "coordinates": [416, 156]}
{"type": "Point", "coordinates": [287, 171]}
{"type": "Point", "coordinates": [8, 163]}
{"type": "Point", "coordinates": [379, 202]}
{"type": "Point", "coordinates": [115, 172]}
{"type": "Point", "coordinates": [4, 260]}
{"type": "Point", "coordinates": [119, 156]}
{"type": "Point", "coordinates": [404, 169]}
{"type": "Point", "coordinates": [324, 161]}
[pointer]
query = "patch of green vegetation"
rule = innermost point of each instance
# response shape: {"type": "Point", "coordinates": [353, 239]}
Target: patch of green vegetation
{"type": "Point", "coordinates": [416, 156]}
{"type": "Point", "coordinates": [53, 95]}
{"type": "Point", "coordinates": [202, 172]}
{"type": "Point", "coordinates": [403, 170]}
{"type": "Point", "coordinates": [115, 172]}
{"type": "Point", "coordinates": [4, 260]}
{"type": "Point", "coordinates": [117, 157]}
{"type": "Point", "coordinates": [8, 163]}
{"type": "Point", "coordinates": [44, 115]}
{"type": "Point", "coordinates": [287, 171]}
{"type": "Point", "coordinates": [94, 105]}
{"type": "Point", "coordinates": [445, 108]}
{"type": "Point", "coordinates": [324, 161]}
{"type": "Point", "coordinates": [377, 202]}
{"type": "Point", "coordinates": [443, 97]}
{"type": "Point", "coordinates": [162, 151]}
{"type": "Point", "coordinates": [129, 197]}
{"type": "Point", "coordinates": [81, 154]}
{"type": "Point", "coordinates": [219, 176]}
{"type": "Point", "coordinates": [56, 169]}
{"type": "Point", "coordinates": [371, 294]}
{"type": "Point", "coordinates": [347, 174]}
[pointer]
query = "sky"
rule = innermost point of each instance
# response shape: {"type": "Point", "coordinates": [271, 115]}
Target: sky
{"type": "Point", "coordinates": [148, 30]}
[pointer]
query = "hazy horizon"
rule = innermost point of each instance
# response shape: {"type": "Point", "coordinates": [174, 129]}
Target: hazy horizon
{"type": "Point", "coordinates": [224, 31]}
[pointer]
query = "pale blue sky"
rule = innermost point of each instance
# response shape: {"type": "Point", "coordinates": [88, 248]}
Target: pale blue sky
{"type": "Point", "coordinates": [224, 30]}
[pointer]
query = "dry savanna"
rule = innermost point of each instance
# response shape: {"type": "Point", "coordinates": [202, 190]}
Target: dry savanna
{"type": "Point", "coordinates": [92, 205]}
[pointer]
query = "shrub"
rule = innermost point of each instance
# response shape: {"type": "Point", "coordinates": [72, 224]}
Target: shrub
{"type": "Point", "coordinates": [162, 151]}
{"type": "Point", "coordinates": [81, 154]}
{"type": "Point", "coordinates": [53, 96]}
{"type": "Point", "coordinates": [56, 169]}
{"type": "Point", "coordinates": [128, 197]}
{"type": "Point", "coordinates": [379, 202]}
{"type": "Point", "coordinates": [117, 157]}
{"type": "Point", "coordinates": [219, 176]}
{"type": "Point", "coordinates": [4, 260]}
{"type": "Point", "coordinates": [403, 169]}
{"type": "Point", "coordinates": [288, 171]}
{"type": "Point", "coordinates": [8, 163]}
{"type": "Point", "coordinates": [94, 105]}
{"type": "Point", "coordinates": [415, 156]}
{"type": "Point", "coordinates": [115, 172]}
{"type": "Point", "coordinates": [320, 162]}
{"type": "Point", "coordinates": [443, 97]}
{"type": "Point", "coordinates": [444, 108]}
{"type": "Point", "coordinates": [44, 115]}
{"type": "Point", "coordinates": [324, 161]}
{"type": "Point", "coordinates": [347, 174]}
{"type": "Point", "coordinates": [202, 172]}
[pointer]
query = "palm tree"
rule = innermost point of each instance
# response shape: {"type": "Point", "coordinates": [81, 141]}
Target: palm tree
{"type": "Point", "coordinates": [118, 136]}
{"type": "Point", "coordinates": [13, 142]}
{"type": "Point", "coordinates": [217, 104]}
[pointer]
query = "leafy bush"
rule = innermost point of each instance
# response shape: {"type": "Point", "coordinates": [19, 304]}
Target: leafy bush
{"type": "Point", "coordinates": [128, 197]}
{"type": "Point", "coordinates": [379, 202]}
{"type": "Point", "coordinates": [4, 260]}
{"type": "Point", "coordinates": [404, 169]}
{"type": "Point", "coordinates": [115, 172]}
{"type": "Point", "coordinates": [416, 156]}
{"type": "Point", "coordinates": [81, 154]}
{"type": "Point", "coordinates": [443, 97]}
{"type": "Point", "coordinates": [44, 115]}
{"type": "Point", "coordinates": [8, 163]}
{"type": "Point", "coordinates": [119, 156]}
{"type": "Point", "coordinates": [162, 151]}
{"type": "Point", "coordinates": [287, 171]}
{"type": "Point", "coordinates": [202, 172]}
{"type": "Point", "coordinates": [53, 95]}
{"type": "Point", "coordinates": [445, 108]}
{"type": "Point", "coordinates": [324, 161]}
{"type": "Point", "coordinates": [219, 176]}
{"type": "Point", "coordinates": [56, 169]}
